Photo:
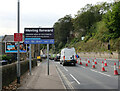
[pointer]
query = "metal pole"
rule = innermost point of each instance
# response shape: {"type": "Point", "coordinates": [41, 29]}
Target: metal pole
{"type": "Point", "coordinates": [38, 49]}
{"type": "Point", "coordinates": [18, 47]}
{"type": "Point", "coordinates": [48, 57]}
{"type": "Point", "coordinates": [30, 59]}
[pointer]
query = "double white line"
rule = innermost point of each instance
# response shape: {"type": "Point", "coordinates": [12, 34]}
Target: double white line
{"type": "Point", "coordinates": [75, 79]}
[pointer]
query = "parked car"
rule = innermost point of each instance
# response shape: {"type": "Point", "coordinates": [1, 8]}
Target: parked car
{"type": "Point", "coordinates": [52, 56]}
{"type": "Point", "coordinates": [57, 58]}
{"type": "Point", "coordinates": [68, 56]}
{"type": "Point", "coordinates": [3, 62]}
{"type": "Point", "coordinates": [43, 56]}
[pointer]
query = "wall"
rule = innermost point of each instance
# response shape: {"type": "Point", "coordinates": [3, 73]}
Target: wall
{"type": "Point", "coordinates": [114, 55]}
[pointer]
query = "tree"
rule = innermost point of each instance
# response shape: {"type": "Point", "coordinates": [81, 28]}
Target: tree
{"type": "Point", "coordinates": [112, 20]}
{"type": "Point", "coordinates": [62, 30]}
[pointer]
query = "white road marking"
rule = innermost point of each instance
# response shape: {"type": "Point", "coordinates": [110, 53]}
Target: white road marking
{"type": "Point", "coordinates": [75, 79]}
{"type": "Point", "coordinates": [100, 73]}
{"type": "Point", "coordinates": [65, 69]}
{"type": "Point", "coordinates": [83, 67]}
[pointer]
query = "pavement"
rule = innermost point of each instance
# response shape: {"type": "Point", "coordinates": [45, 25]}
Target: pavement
{"type": "Point", "coordinates": [41, 80]}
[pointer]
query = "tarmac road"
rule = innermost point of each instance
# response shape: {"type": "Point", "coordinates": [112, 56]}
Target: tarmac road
{"type": "Point", "coordinates": [82, 77]}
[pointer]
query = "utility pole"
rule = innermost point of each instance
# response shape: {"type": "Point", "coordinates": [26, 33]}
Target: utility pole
{"type": "Point", "coordinates": [18, 46]}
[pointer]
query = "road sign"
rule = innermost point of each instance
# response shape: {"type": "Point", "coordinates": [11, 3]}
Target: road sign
{"type": "Point", "coordinates": [18, 37]}
{"type": "Point", "coordinates": [39, 35]}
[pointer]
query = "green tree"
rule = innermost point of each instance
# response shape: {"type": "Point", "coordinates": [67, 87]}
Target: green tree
{"type": "Point", "coordinates": [62, 30]}
{"type": "Point", "coordinates": [112, 20]}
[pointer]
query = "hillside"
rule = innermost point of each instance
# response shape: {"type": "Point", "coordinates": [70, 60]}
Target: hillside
{"type": "Point", "coordinates": [99, 24]}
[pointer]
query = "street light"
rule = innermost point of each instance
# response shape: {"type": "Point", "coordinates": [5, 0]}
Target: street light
{"type": "Point", "coordinates": [18, 46]}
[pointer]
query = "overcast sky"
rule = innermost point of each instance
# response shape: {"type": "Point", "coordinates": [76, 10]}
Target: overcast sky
{"type": "Point", "coordinates": [35, 13]}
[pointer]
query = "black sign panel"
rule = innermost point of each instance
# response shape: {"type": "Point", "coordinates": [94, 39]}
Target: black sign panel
{"type": "Point", "coordinates": [39, 35]}
{"type": "Point", "coordinates": [42, 33]}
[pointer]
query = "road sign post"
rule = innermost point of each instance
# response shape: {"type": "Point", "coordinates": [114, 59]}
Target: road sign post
{"type": "Point", "coordinates": [39, 36]}
{"type": "Point", "coordinates": [48, 57]}
{"type": "Point", "coordinates": [30, 59]}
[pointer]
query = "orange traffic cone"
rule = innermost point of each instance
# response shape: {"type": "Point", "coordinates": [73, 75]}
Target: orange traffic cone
{"type": "Point", "coordinates": [86, 64]}
{"type": "Point", "coordinates": [103, 68]}
{"type": "Point", "coordinates": [119, 64]}
{"type": "Point", "coordinates": [93, 64]}
{"type": "Point", "coordinates": [115, 69]}
{"type": "Point", "coordinates": [88, 60]}
{"type": "Point", "coordinates": [77, 61]}
{"type": "Point", "coordinates": [105, 63]}
{"type": "Point", "coordinates": [95, 61]}
{"type": "Point", "coordinates": [80, 62]}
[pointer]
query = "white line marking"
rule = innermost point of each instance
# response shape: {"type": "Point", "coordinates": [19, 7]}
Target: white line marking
{"type": "Point", "coordinates": [65, 69]}
{"type": "Point", "coordinates": [74, 78]}
{"type": "Point", "coordinates": [83, 67]}
{"type": "Point", "coordinates": [100, 73]}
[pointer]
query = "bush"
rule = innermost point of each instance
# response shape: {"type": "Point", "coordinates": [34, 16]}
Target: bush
{"type": "Point", "coordinates": [5, 57]}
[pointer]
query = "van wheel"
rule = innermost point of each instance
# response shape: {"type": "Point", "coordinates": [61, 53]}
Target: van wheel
{"type": "Point", "coordinates": [74, 64]}
{"type": "Point", "coordinates": [60, 63]}
{"type": "Point", "coordinates": [63, 64]}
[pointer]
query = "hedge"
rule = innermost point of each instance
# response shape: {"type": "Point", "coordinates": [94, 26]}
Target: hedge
{"type": "Point", "coordinates": [9, 72]}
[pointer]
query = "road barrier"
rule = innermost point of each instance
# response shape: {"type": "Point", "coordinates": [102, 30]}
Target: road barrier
{"type": "Point", "coordinates": [115, 69]}
{"type": "Point", "coordinates": [104, 63]}
{"type": "Point", "coordinates": [103, 68]}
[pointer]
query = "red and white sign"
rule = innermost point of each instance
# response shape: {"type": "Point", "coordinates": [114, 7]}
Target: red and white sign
{"type": "Point", "coordinates": [18, 37]}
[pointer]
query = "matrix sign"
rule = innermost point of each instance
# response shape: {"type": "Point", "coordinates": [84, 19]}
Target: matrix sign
{"type": "Point", "coordinates": [39, 35]}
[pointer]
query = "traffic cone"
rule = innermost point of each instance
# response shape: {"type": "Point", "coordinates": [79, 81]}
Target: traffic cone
{"type": "Point", "coordinates": [93, 64]}
{"type": "Point", "coordinates": [105, 63]}
{"type": "Point", "coordinates": [88, 60]}
{"type": "Point", "coordinates": [77, 61]}
{"type": "Point", "coordinates": [119, 64]}
{"type": "Point", "coordinates": [115, 69]}
{"type": "Point", "coordinates": [80, 62]}
{"type": "Point", "coordinates": [95, 61]}
{"type": "Point", "coordinates": [86, 64]}
{"type": "Point", "coordinates": [103, 68]}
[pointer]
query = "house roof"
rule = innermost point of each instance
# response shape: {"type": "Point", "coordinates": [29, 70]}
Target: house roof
{"type": "Point", "coordinates": [8, 38]}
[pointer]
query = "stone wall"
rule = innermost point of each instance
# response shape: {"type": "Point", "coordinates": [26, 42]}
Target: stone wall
{"type": "Point", "coordinates": [113, 55]}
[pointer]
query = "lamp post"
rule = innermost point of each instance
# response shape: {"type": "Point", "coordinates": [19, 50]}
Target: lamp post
{"type": "Point", "coordinates": [18, 45]}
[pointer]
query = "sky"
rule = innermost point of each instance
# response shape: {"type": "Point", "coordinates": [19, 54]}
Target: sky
{"type": "Point", "coordinates": [37, 13]}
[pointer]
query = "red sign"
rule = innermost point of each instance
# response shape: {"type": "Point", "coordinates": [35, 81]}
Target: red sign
{"type": "Point", "coordinates": [18, 37]}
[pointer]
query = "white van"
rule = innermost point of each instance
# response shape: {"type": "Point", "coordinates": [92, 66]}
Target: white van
{"type": "Point", "coordinates": [68, 56]}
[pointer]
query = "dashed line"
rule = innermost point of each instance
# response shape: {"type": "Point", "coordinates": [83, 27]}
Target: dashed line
{"type": "Point", "coordinates": [65, 69]}
{"type": "Point", "coordinates": [83, 67]}
{"type": "Point", "coordinates": [75, 79]}
{"type": "Point", "coordinates": [100, 73]}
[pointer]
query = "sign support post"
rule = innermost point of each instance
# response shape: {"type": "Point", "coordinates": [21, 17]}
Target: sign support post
{"type": "Point", "coordinates": [39, 36]}
{"type": "Point", "coordinates": [48, 57]}
{"type": "Point", "coordinates": [30, 59]}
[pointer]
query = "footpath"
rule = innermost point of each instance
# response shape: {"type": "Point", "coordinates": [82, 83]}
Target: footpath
{"type": "Point", "coordinates": [40, 79]}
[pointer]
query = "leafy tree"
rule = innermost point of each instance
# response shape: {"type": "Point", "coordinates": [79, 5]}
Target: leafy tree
{"type": "Point", "coordinates": [62, 30]}
{"type": "Point", "coordinates": [112, 20]}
